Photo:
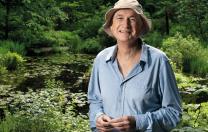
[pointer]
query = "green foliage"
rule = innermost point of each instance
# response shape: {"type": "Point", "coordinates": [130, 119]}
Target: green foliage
{"type": "Point", "coordinates": [88, 28]}
{"type": "Point", "coordinates": [18, 123]}
{"type": "Point", "coordinates": [47, 110]}
{"type": "Point", "coordinates": [199, 63]}
{"type": "Point", "coordinates": [195, 116]}
{"type": "Point", "coordinates": [61, 38]}
{"type": "Point", "coordinates": [80, 11]}
{"type": "Point", "coordinates": [27, 20]}
{"type": "Point", "coordinates": [12, 46]}
{"type": "Point", "coordinates": [90, 46]}
{"type": "Point", "coordinates": [193, 15]}
{"type": "Point", "coordinates": [29, 37]}
{"type": "Point", "coordinates": [3, 50]}
{"type": "Point", "coordinates": [154, 39]}
{"type": "Point", "coordinates": [10, 55]}
{"type": "Point", "coordinates": [51, 107]}
{"type": "Point", "coordinates": [48, 122]}
{"type": "Point", "coordinates": [193, 93]}
{"type": "Point", "coordinates": [192, 90]}
{"type": "Point", "coordinates": [75, 14]}
{"type": "Point", "coordinates": [177, 28]}
{"type": "Point", "coordinates": [105, 40]}
{"type": "Point", "coordinates": [3, 70]}
{"type": "Point", "coordinates": [67, 58]}
{"type": "Point", "coordinates": [185, 81]}
{"type": "Point", "coordinates": [11, 60]}
{"type": "Point", "coordinates": [187, 53]}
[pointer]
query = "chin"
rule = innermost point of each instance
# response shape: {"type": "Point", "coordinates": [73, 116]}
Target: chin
{"type": "Point", "coordinates": [126, 39]}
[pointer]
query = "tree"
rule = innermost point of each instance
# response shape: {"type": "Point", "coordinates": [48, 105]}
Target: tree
{"type": "Point", "coordinates": [8, 4]}
{"type": "Point", "coordinates": [193, 14]}
{"type": "Point", "coordinates": [26, 20]}
{"type": "Point", "coordinates": [162, 11]}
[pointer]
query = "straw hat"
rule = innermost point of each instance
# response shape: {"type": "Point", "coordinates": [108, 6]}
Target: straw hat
{"type": "Point", "coordinates": [126, 4]}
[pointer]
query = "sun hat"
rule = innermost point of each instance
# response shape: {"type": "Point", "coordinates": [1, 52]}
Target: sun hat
{"type": "Point", "coordinates": [127, 4]}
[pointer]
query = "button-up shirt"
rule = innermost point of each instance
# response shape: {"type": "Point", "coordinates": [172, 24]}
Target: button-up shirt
{"type": "Point", "coordinates": [149, 92]}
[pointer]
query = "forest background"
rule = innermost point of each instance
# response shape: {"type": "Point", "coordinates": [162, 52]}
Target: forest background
{"type": "Point", "coordinates": [47, 49]}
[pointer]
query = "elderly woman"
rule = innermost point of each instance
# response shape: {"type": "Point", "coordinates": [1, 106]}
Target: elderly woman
{"type": "Point", "coordinates": [132, 86]}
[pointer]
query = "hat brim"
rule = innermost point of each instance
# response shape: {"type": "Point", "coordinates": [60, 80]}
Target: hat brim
{"type": "Point", "coordinates": [146, 23]}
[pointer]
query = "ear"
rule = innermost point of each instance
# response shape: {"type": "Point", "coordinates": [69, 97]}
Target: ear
{"type": "Point", "coordinates": [111, 31]}
{"type": "Point", "coordinates": [111, 28]}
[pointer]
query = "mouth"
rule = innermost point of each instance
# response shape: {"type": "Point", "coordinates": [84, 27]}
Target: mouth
{"type": "Point", "coordinates": [124, 31]}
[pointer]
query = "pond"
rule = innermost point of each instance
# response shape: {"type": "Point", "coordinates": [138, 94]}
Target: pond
{"type": "Point", "coordinates": [71, 69]}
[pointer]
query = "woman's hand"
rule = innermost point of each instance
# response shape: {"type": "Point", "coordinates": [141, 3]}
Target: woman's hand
{"type": "Point", "coordinates": [103, 123]}
{"type": "Point", "coordinates": [124, 124]}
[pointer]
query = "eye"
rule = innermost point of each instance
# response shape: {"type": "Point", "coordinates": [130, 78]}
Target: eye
{"type": "Point", "coordinates": [132, 19]}
{"type": "Point", "coordinates": [119, 18]}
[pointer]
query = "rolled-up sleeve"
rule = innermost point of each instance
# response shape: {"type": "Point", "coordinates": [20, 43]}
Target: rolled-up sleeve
{"type": "Point", "coordinates": [94, 97]}
{"type": "Point", "coordinates": [168, 116]}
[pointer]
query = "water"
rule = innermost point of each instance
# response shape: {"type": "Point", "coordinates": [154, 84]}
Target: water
{"type": "Point", "coordinates": [72, 69]}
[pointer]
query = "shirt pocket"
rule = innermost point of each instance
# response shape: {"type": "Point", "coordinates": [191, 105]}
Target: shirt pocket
{"type": "Point", "coordinates": [138, 93]}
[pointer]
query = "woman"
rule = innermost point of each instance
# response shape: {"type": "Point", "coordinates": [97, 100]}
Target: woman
{"type": "Point", "coordinates": [132, 86]}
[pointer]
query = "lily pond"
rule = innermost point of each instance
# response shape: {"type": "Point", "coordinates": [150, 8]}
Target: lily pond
{"type": "Point", "coordinates": [48, 93]}
{"type": "Point", "coordinates": [55, 84]}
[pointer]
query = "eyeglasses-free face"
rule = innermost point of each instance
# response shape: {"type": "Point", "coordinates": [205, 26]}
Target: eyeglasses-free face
{"type": "Point", "coordinates": [126, 25]}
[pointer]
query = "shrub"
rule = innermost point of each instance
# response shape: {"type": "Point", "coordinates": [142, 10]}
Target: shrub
{"type": "Point", "coordinates": [154, 39]}
{"type": "Point", "coordinates": [105, 40]}
{"type": "Point", "coordinates": [90, 46]}
{"type": "Point", "coordinates": [11, 60]}
{"type": "Point", "coordinates": [61, 38]}
{"type": "Point", "coordinates": [199, 63]}
{"type": "Point", "coordinates": [89, 27]}
{"type": "Point", "coordinates": [29, 33]}
{"type": "Point", "coordinates": [48, 122]}
{"type": "Point", "coordinates": [18, 123]}
{"type": "Point", "coordinates": [12, 46]}
{"type": "Point", "coordinates": [178, 28]}
{"type": "Point", "coordinates": [3, 50]}
{"type": "Point", "coordinates": [10, 55]}
{"type": "Point", "coordinates": [187, 53]}
{"type": "Point", "coordinates": [3, 70]}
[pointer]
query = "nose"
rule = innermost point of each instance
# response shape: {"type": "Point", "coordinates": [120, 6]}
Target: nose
{"type": "Point", "coordinates": [126, 23]}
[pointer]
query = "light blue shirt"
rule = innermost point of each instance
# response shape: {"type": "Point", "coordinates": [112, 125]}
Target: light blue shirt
{"type": "Point", "coordinates": [149, 92]}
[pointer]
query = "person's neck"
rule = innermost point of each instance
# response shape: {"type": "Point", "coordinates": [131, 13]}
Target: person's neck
{"type": "Point", "coordinates": [128, 50]}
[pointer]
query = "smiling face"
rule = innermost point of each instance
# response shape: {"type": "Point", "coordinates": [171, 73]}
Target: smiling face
{"type": "Point", "coordinates": [126, 25]}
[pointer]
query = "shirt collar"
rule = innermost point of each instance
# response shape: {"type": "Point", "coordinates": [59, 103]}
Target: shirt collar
{"type": "Point", "coordinates": [144, 54]}
{"type": "Point", "coordinates": [112, 54]}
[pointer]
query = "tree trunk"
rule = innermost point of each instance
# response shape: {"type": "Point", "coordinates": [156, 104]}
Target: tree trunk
{"type": "Point", "coordinates": [167, 22]}
{"type": "Point", "coordinates": [7, 20]}
{"type": "Point", "coordinates": [200, 28]}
